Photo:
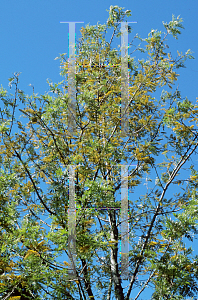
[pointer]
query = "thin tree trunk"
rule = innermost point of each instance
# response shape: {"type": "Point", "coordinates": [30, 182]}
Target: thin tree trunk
{"type": "Point", "coordinates": [114, 258]}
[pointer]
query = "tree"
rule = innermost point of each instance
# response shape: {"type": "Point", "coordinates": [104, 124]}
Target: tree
{"type": "Point", "coordinates": [161, 142]}
{"type": "Point", "coordinates": [20, 292]}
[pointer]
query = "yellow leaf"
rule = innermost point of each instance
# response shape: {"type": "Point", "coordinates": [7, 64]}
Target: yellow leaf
{"type": "Point", "coordinates": [46, 159]}
{"type": "Point", "coordinates": [113, 242]}
{"type": "Point", "coordinates": [188, 268]}
{"type": "Point", "coordinates": [31, 252]}
{"type": "Point", "coordinates": [50, 143]}
{"type": "Point", "coordinates": [2, 283]}
{"type": "Point", "coordinates": [153, 243]}
{"type": "Point", "coordinates": [30, 110]}
{"type": "Point", "coordinates": [174, 257]}
{"type": "Point", "coordinates": [42, 174]}
{"type": "Point", "coordinates": [89, 221]}
{"type": "Point", "coordinates": [84, 248]}
{"type": "Point", "coordinates": [155, 273]}
{"type": "Point", "coordinates": [40, 244]}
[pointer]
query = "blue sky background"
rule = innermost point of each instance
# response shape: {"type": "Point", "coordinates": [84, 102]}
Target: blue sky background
{"type": "Point", "coordinates": [31, 37]}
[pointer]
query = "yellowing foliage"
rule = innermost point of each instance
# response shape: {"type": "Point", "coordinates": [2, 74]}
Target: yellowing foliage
{"type": "Point", "coordinates": [31, 252]}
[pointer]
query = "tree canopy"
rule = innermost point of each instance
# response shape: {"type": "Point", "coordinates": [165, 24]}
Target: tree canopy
{"type": "Point", "coordinates": [37, 149]}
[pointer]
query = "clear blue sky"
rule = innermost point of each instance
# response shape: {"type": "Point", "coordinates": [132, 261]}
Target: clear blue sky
{"type": "Point", "coordinates": [31, 36]}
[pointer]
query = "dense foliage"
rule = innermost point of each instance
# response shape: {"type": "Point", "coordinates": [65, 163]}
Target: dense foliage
{"type": "Point", "coordinates": [36, 149]}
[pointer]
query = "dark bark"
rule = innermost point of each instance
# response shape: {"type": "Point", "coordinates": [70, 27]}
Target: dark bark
{"type": "Point", "coordinates": [86, 280]}
{"type": "Point", "coordinates": [116, 278]}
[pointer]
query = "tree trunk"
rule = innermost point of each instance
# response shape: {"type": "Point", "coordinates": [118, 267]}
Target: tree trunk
{"type": "Point", "coordinates": [116, 278]}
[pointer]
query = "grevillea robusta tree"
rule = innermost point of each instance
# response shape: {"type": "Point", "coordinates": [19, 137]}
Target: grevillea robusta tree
{"type": "Point", "coordinates": [36, 149]}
